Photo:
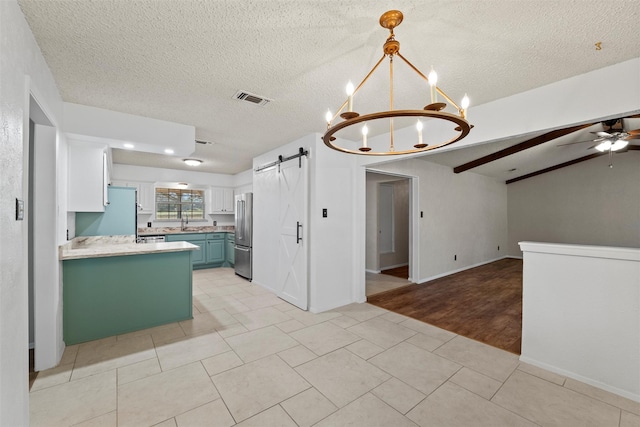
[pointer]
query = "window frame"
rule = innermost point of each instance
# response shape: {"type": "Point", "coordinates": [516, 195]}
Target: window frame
{"type": "Point", "coordinates": [179, 204]}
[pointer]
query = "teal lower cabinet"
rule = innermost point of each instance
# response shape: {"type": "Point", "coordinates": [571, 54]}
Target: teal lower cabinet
{"type": "Point", "coordinates": [115, 295]}
{"type": "Point", "coordinates": [231, 253]}
{"type": "Point", "coordinates": [199, 256]}
{"type": "Point", "coordinates": [199, 239]}
{"type": "Point", "coordinates": [214, 250]}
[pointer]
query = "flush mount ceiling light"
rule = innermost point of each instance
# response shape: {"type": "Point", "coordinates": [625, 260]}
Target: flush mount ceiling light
{"type": "Point", "coordinates": [434, 110]}
{"type": "Point", "coordinates": [192, 162]}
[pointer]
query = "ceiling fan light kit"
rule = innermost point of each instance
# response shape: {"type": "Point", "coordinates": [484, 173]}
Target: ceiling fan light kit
{"type": "Point", "coordinates": [434, 110]}
{"type": "Point", "coordinates": [613, 146]}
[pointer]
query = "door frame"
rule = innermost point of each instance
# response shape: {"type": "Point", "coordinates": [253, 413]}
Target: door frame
{"type": "Point", "coordinates": [414, 228]}
{"type": "Point", "coordinates": [47, 226]}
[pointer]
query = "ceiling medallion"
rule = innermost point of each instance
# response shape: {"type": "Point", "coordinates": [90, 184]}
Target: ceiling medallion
{"type": "Point", "coordinates": [434, 110]}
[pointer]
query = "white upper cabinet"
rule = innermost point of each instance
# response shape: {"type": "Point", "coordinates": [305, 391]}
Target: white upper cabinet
{"type": "Point", "coordinates": [220, 200]}
{"type": "Point", "coordinates": [88, 168]}
{"type": "Point", "coordinates": [146, 197]}
{"type": "Point", "coordinates": [145, 193]}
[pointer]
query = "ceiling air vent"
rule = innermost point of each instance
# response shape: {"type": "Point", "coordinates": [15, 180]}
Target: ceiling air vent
{"type": "Point", "coordinates": [243, 95]}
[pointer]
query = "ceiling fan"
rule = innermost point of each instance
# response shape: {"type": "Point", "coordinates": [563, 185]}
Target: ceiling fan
{"type": "Point", "coordinates": [615, 138]}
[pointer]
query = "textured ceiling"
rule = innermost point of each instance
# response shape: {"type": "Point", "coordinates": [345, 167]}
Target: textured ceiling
{"type": "Point", "coordinates": [183, 61]}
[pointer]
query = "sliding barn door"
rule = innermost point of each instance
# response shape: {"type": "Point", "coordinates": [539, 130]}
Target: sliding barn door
{"type": "Point", "coordinates": [292, 283]}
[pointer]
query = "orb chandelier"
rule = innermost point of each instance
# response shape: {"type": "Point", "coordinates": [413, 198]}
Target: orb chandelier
{"type": "Point", "coordinates": [434, 110]}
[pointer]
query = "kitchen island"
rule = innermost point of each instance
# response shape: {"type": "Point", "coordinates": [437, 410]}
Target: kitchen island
{"type": "Point", "coordinates": [113, 286]}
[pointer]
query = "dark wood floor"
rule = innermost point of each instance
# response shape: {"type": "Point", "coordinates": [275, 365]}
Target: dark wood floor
{"type": "Point", "coordinates": [401, 272]}
{"type": "Point", "coordinates": [482, 303]}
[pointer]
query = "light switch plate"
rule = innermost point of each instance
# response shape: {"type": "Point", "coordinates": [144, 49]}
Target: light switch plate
{"type": "Point", "coordinates": [19, 209]}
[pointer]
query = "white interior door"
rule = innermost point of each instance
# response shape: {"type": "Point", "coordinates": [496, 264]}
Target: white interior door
{"type": "Point", "coordinates": [292, 284]}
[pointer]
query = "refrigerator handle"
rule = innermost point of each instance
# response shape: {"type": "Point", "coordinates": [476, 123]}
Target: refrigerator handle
{"type": "Point", "coordinates": [298, 227]}
{"type": "Point", "coordinates": [240, 210]}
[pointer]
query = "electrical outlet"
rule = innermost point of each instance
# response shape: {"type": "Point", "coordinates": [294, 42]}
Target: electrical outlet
{"type": "Point", "coordinates": [149, 224]}
{"type": "Point", "coordinates": [455, 257]}
{"type": "Point", "coordinates": [421, 214]}
{"type": "Point", "coordinates": [324, 213]}
{"type": "Point", "coordinates": [215, 223]}
{"type": "Point", "coordinates": [498, 247]}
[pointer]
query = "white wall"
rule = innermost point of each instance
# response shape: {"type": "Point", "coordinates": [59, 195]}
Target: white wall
{"type": "Point", "coordinates": [19, 57]}
{"type": "Point", "coordinates": [587, 203]}
{"type": "Point", "coordinates": [464, 215]}
{"type": "Point", "coordinates": [115, 129]}
{"type": "Point", "coordinates": [335, 255]}
{"type": "Point", "coordinates": [581, 314]}
{"type": "Point", "coordinates": [147, 174]}
{"type": "Point", "coordinates": [241, 183]}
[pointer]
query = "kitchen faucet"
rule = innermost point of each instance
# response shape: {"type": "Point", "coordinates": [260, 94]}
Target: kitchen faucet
{"type": "Point", "coordinates": [182, 222]}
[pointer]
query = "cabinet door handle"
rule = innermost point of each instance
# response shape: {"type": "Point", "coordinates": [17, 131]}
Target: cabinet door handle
{"type": "Point", "coordinates": [298, 227]}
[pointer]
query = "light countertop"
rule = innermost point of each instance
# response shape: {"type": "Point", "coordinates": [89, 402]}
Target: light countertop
{"type": "Point", "coordinates": [108, 246]}
{"type": "Point", "coordinates": [155, 231]}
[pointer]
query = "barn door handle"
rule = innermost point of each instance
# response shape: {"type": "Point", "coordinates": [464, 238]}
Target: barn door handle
{"type": "Point", "coordinates": [298, 227]}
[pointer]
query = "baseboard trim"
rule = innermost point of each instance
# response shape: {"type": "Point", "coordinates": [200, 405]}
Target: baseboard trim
{"type": "Point", "coordinates": [330, 307]}
{"type": "Point", "coordinates": [577, 377]}
{"type": "Point", "coordinates": [372, 271]}
{"type": "Point", "coordinates": [389, 267]}
{"type": "Point", "coordinates": [438, 276]}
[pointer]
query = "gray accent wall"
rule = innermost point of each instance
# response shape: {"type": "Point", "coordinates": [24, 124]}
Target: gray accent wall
{"type": "Point", "coordinates": [587, 203]}
{"type": "Point", "coordinates": [465, 217]}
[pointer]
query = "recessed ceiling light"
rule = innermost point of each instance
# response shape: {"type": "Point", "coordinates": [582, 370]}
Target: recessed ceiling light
{"type": "Point", "coordinates": [128, 145]}
{"type": "Point", "coordinates": [168, 151]}
{"type": "Point", "coordinates": [192, 162]}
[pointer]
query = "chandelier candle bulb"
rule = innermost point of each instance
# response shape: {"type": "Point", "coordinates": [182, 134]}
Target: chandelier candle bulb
{"type": "Point", "coordinates": [419, 127]}
{"type": "Point", "coordinates": [365, 131]}
{"type": "Point", "coordinates": [433, 80]}
{"type": "Point", "coordinates": [465, 105]}
{"type": "Point", "coordinates": [328, 117]}
{"type": "Point", "coordinates": [350, 90]}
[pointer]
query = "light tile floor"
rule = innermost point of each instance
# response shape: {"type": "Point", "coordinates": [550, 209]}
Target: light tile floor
{"type": "Point", "coordinates": [250, 359]}
{"type": "Point", "coordinates": [377, 283]}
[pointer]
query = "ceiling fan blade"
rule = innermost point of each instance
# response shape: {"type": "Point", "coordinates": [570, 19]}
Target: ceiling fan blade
{"type": "Point", "coordinates": [630, 137]}
{"type": "Point", "coordinates": [603, 134]}
{"type": "Point", "coordinates": [634, 132]}
{"type": "Point", "coordinates": [580, 142]}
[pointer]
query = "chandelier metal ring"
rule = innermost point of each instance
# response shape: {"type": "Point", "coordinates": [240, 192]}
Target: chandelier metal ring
{"type": "Point", "coordinates": [433, 110]}
{"type": "Point", "coordinates": [464, 126]}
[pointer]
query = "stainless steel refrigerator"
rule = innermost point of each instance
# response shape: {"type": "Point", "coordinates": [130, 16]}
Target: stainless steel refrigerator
{"type": "Point", "coordinates": [243, 232]}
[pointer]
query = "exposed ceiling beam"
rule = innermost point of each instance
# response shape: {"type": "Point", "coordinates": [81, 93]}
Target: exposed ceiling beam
{"type": "Point", "coordinates": [519, 147]}
{"type": "Point", "coordinates": [565, 164]}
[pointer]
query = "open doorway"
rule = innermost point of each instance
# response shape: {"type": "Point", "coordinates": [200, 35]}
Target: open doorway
{"type": "Point", "coordinates": [388, 238]}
